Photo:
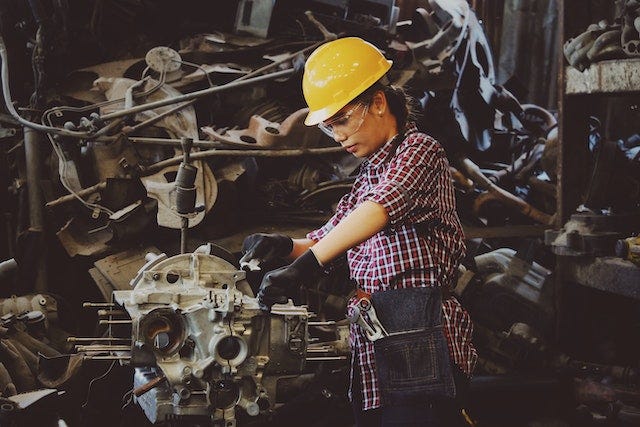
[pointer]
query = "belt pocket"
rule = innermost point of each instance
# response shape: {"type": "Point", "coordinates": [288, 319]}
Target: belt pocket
{"type": "Point", "coordinates": [413, 366]}
{"type": "Point", "coordinates": [412, 362]}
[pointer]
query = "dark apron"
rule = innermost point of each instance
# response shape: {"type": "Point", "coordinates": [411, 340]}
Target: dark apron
{"type": "Point", "coordinates": [413, 362]}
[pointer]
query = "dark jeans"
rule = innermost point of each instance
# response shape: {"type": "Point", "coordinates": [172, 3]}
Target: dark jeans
{"type": "Point", "coordinates": [438, 412]}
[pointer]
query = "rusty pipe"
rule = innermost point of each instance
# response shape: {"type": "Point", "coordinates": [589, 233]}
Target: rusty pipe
{"type": "Point", "coordinates": [84, 192]}
{"type": "Point", "coordinates": [493, 192]}
{"type": "Point", "coordinates": [33, 157]}
{"type": "Point", "coordinates": [148, 386]}
{"type": "Point", "coordinates": [33, 160]}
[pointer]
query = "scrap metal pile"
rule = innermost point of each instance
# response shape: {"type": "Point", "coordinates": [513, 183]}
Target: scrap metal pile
{"type": "Point", "coordinates": [199, 129]}
{"type": "Point", "coordinates": [603, 40]}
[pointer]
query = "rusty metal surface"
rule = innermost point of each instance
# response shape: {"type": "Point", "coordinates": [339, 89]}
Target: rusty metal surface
{"type": "Point", "coordinates": [606, 77]}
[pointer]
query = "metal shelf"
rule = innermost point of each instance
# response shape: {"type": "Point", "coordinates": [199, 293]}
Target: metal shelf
{"type": "Point", "coordinates": [620, 76]}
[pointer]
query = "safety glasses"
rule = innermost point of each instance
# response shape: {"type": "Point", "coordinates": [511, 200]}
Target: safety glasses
{"type": "Point", "coordinates": [347, 123]}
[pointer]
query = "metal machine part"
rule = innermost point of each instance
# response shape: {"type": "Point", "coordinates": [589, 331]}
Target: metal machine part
{"type": "Point", "coordinates": [591, 234]}
{"type": "Point", "coordinates": [513, 290]}
{"type": "Point", "coordinates": [201, 346]}
{"type": "Point", "coordinates": [45, 304]}
{"type": "Point", "coordinates": [444, 26]}
{"type": "Point", "coordinates": [291, 133]}
{"type": "Point", "coordinates": [630, 37]}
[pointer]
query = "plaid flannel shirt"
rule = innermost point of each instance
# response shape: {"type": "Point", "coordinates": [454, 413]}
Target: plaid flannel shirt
{"type": "Point", "coordinates": [421, 246]}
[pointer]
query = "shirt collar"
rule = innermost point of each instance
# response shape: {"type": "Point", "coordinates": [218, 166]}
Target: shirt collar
{"type": "Point", "coordinates": [382, 153]}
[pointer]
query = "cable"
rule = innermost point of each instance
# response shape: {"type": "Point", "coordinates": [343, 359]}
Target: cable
{"type": "Point", "coordinates": [86, 402]}
{"type": "Point", "coordinates": [4, 75]}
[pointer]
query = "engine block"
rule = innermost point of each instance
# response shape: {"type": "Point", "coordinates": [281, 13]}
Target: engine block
{"type": "Point", "coordinates": [201, 345]}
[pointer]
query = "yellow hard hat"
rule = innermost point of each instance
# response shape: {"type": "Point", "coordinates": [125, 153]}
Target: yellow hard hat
{"type": "Point", "coordinates": [337, 72]}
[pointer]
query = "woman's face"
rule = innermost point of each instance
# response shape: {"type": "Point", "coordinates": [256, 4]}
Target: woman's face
{"type": "Point", "coordinates": [362, 128]}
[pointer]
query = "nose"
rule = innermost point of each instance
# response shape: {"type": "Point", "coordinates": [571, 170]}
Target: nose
{"type": "Point", "coordinates": [339, 137]}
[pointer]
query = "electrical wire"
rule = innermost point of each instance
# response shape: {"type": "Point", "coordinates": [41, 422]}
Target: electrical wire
{"type": "Point", "coordinates": [86, 402]}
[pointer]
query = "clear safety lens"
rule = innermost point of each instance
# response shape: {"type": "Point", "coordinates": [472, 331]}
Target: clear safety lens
{"type": "Point", "coordinates": [345, 124]}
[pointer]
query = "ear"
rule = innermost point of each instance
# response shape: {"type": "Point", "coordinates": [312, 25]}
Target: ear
{"type": "Point", "coordinates": [379, 103]}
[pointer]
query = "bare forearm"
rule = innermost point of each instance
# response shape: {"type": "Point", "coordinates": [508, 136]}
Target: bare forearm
{"type": "Point", "coordinates": [299, 247]}
{"type": "Point", "coordinates": [365, 221]}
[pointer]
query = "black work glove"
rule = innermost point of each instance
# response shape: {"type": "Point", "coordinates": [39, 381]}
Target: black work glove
{"type": "Point", "coordinates": [265, 248]}
{"type": "Point", "coordinates": [278, 284]}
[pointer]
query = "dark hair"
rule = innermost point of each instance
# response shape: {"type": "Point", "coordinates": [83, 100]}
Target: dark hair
{"type": "Point", "coordinates": [402, 105]}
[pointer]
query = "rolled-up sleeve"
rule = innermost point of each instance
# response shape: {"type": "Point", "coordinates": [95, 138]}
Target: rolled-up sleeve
{"type": "Point", "coordinates": [412, 177]}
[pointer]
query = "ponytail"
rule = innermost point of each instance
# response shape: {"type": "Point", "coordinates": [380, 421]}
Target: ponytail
{"type": "Point", "coordinates": [401, 105]}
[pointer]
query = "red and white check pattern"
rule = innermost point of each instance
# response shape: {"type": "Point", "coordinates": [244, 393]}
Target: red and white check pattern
{"type": "Point", "coordinates": [414, 186]}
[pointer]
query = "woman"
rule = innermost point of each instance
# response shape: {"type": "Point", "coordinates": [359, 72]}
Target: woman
{"type": "Point", "coordinates": [403, 240]}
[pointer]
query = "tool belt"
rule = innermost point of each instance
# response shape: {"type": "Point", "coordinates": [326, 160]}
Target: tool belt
{"type": "Point", "coordinates": [412, 360]}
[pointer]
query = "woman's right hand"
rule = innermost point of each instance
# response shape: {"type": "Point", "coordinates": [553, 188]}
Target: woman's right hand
{"type": "Point", "coordinates": [264, 249]}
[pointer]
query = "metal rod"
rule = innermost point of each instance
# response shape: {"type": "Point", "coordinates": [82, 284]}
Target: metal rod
{"type": "Point", "coordinates": [198, 143]}
{"type": "Point", "coordinates": [98, 304]}
{"type": "Point", "coordinates": [326, 323]}
{"type": "Point", "coordinates": [99, 339]}
{"type": "Point", "coordinates": [197, 94]}
{"type": "Point", "coordinates": [84, 192]}
{"type": "Point", "coordinates": [83, 348]}
{"type": "Point", "coordinates": [86, 356]}
{"type": "Point", "coordinates": [148, 386]}
{"type": "Point", "coordinates": [325, 359]}
{"type": "Point", "coordinates": [131, 129]}
{"type": "Point", "coordinates": [246, 153]}
{"type": "Point", "coordinates": [104, 313]}
{"type": "Point", "coordinates": [183, 235]}
{"type": "Point", "coordinates": [115, 322]}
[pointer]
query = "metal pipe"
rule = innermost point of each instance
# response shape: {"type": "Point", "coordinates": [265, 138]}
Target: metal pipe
{"type": "Point", "coordinates": [184, 227]}
{"type": "Point", "coordinates": [473, 171]}
{"type": "Point", "coordinates": [92, 339]}
{"type": "Point", "coordinates": [148, 386]}
{"type": "Point", "coordinates": [245, 153]}
{"type": "Point", "coordinates": [325, 359]}
{"type": "Point", "coordinates": [115, 322]}
{"type": "Point", "coordinates": [90, 357]}
{"type": "Point", "coordinates": [97, 304]}
{"type": "Point", "coordinates": [198, 143]}
{"type": "Point", "coordinates": [197, 94]}
{"type": "Point", "coordinates": [33, 156]}
{"type": "Point", "coordinates": [4, 76]}
{"type": "Point", "coordinates": [84, 192]}
{"type": "Point", "coordinates": [131, 129]}
{"type": "Point", "coordinates": [33, 159]}
{"type": "Point", "coordinates": [7, 269]}
{"type": "Point", "coordinates": [105, 313]}
{"type": "Point", "coordinates": [83, 348]}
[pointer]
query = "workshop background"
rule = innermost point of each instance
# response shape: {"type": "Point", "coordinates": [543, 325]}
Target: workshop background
{"type": "Point", "coordinates": [142, 140]}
